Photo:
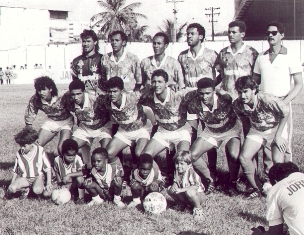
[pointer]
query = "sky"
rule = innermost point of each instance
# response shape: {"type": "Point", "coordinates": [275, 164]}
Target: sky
{"type": "Point", "coordinates": [158, 10]}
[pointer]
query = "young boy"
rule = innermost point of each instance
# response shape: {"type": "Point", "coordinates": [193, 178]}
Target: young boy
{"type": "Point", "coordinates": [145, 179]}
{"type": "Point", "coordinates": [67, 167]}
{"type": "Point", "coordinates": [187, 188]}
{"type": "Point", "coordinates": [104, 179]}
{"type": "Point", "coordinates": [31, 163]}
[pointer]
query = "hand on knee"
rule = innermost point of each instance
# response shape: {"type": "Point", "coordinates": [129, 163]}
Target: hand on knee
{"type": "Point", "coordinates": [37, 189]}
{"type": "Point", "coordinates": [135, 185]}
{"type": "Point", "coordinates": [117, 181]}
{"type": "Point", "coordinates": [12, 189]}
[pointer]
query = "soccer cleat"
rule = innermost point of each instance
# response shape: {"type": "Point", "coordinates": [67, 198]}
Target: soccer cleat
{"type": "Point", "coordinates": [24, 194]}
{"type": "Point", "coordinates": [232, 190]}
{"type": "Point", "coordinates": [254, 193]}
{"type": "Point", "coordinates": [210, 188]}
{"type": "Point", "coordinates": [3, 193]}
{"type": "Point", "coordinates": [118, 202]}
{"type": "Point", "coordinates": [134, 204]}
{"type": "Point", "coordinates": [198, 214]}
{"type": "Point", "coordinates": [94, 202]}
{"type": "Point", "coordinates": [79, 201]}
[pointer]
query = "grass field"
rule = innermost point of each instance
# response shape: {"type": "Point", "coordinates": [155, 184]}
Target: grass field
{"type": "Point", "coordinates": [224, 215]}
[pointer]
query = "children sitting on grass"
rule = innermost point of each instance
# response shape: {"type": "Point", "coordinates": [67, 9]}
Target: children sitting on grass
{"type": "Point", "coordinates": [146, 178]}
{"type": "Point", "coordinates": [187, 189]}
{"type": "Point", "coordinates": [30, 165]}
{"type": "Point", "coordinates": [68, 167]}
{"type": "Point", "coordinates": [104, 182]}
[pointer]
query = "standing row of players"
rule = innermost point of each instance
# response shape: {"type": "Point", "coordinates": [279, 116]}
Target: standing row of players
{"type": "Point", "coordinates": [179, 100]}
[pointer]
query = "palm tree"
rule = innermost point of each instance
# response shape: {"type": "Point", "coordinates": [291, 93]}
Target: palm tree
{"type": "Point", "coordinates": [116, 16]}
{"type": "Point", "coordinates": [168, 27]}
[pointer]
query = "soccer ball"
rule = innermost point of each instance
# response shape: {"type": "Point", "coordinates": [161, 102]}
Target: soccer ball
{"type": "Point", "coordinates": [155, 203]}
{"type": "Point", "coordinates": [61, 196]}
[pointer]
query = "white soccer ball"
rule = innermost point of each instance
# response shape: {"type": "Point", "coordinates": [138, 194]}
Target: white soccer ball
{"type": "Point", "coordinates": [61, 196]}
{"type": "Point", "coordinates": [155, 203]}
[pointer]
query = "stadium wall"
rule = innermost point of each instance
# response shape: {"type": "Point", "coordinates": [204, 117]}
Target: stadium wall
{"type": "Point", "coordinates": [60, 56]}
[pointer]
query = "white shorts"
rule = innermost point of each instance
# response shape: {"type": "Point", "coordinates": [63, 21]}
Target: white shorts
{"type": "Point", "coordinates": [129, 136]}
{"type": "Point", "coordinates": [166, 137]}
{"type": "Point", "coordinates": [88, 134]}
{"type": "Point", "coordinates": [57, 126]}
{"type": "Point", "coordinates": [217, 139]}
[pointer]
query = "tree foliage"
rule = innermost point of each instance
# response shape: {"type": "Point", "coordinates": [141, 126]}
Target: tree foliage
{"type": "Point", "coordinates": [168, 28]}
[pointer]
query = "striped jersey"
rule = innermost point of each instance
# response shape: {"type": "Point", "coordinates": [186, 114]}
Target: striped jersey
{"type": "Point", "coordinates": [153, 176]}
{"type": "Point", "coordinates": [189, 178]}
{"type": "Point", "coordinates": [62, 169]}
{"type": "Point", "coordinates": [104, 181]}
{"type": "Point", "coordinates": [33, 163]}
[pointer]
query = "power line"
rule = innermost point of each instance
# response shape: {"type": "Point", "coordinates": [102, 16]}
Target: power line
{"type": "Point", "coordinates": [175, 17]}
{"type": "Point", "coordinates": [212, 14]}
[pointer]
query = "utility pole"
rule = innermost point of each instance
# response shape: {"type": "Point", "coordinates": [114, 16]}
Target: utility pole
{"type": "Point", "coordinates": [212, 13]}
{"type": "Point", "coordinates": [175, 18]}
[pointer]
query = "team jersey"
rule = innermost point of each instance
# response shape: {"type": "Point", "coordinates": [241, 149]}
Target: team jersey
{"type": "Point", "coordinates": [130, 116]}
{"type": "Point", "coordinates": [189, 178]}
{"type": "Point", "coordinates": [232, 66]}
{"type": "Point", "coordinates": [104, 181]}
{"type": "Point", "coordinates": [93, 114]}
{"type": "Point", "coordinates": [154, 175]}
{"type": "Point", "coordinates": [266, 113]}
{"type": "Point", "coordinates": [89, 70]}
{"type": "Point", "coordinates": [170, 114]}
{"type": "Point", "coordinates": [127, 68]}
{"type": "Point", "coordinates": [62, 169]}
{"type": "Point", "coordinates": [203, 65]}
{"type": "Point", "coordinates": [285, 203]}
{"type": "Point", "coordinates": [219, 119]}
{"type": "Point", "coordinates": [169, 64]}
{"type": "Point", "coordinates": [56, 110]}
{"type": "Point", "coordinates": [33, 163]}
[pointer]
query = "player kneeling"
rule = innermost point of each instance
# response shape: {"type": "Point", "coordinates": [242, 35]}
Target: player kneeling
{"type": "Point", "coordinates": [104, 182]}
{"type": "Point", "coordinates": [187, 189]}
{"type": "Point", "coordinates": [145, 179]}
{"type": "Point", "coordinates": [68, 167]}
{"type": "Point", "coordinates": [31, 163]}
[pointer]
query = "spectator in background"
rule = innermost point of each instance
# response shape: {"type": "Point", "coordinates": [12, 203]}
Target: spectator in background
{"type": "Point", "coordinates": [25, 66]}
{"type": "Point", "coordinates": [21, 67]}
{"type": "Point", "coordinates": [8, 75]}
{"type": "Point", "coordinates": [1, 76]}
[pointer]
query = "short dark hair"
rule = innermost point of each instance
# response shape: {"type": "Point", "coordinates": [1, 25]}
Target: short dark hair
{"type": "Point", "coordinates": [238, 23]}
{"type": "Point", "coordinates": [162, 73]}
{"type": "Point", "coordinates": [246, 82]}
{"type": "Point", "coordinates": [280, 171]}
{"type": "Point", "coordinates": [200, 29]}
{"type": "Point", "coordinates": [101, 151]}
{"type": "Point", "coordinates": [205, 83]}
{"type": "Point", "coordinates": [76, 84]}
{"type": "Point", "coordinates": [165, 36]}
{"type": "Point", "coordinates": [27, 135]}
{"type": "Point", "coordinates": [88, 33]}
{"type": "Point", "coordinates": [279, 25]}
{"type": "Point", "coordinates": [45, 82]}
{"type": "Point", "coordinates": [145, 158]}
{"type": "Point", "coordinates": [69, 144]}
{"type": "Point", "coordinates": [115, 82]}
{"type": "Point", "coordinates": [123, 36]}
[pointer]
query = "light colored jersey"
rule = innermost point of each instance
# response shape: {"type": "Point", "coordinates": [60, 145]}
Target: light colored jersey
{"type": "Point", "coordinates": [169, 64]}
{"type": "Point", "coordinates": [266, 113]}
{"type": "Point", "coordinates": [189, 178]}
{"type": "Point", "coordinates": [203, 65]}
{"type": "Point", "coordinates": [153, 176]}
{"type": "Point", "coordinates": [232, 66]}
{"type": "Point", "coordinates": [276, 72]}
{"type": "Point", "coordinates": [56, 110]}
{"type": "Point", "coordinates": [62, 169]}
{"type": "Point", "coordinates": [32, 164]}
{"type": "Point", "coordinates": [285, 203]}
{"type": "Point", "coordinates": [104, 181]}
{"type": "Point", "coordinates": [127, 68]}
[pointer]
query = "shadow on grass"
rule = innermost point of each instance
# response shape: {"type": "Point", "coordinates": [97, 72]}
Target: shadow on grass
{"type": "Point", "coordinates": [4, 183]}
{"type": "Point", "coordinates": [191, 233]}
{"type": "Point", "coordinates": [6, 165]}
{"type": "Point", "coordinates": [253, 217]}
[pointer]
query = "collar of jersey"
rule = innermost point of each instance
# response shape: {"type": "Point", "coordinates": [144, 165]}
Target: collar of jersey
{"type": "Point", "coordinates": [157, 101]}
{"type": "Point", "coordinates": [123, 56]}
{"type": "Point", "coordinates": [241, 50]}
{"type": "Point", "coordinates": [53, 100]}
{"type": "Point", "coordinates": [85, 103]}
{"type": "Point", "coordinates": [282, 51]}
{"type": "Point", "coordinates": [123, 103]}
{"type": "Point", "coordinates": [200, 53]}
{"type": "Point", "coordinates": [153, 61]}
{"type": "Point", "coordinates": [205, 107]}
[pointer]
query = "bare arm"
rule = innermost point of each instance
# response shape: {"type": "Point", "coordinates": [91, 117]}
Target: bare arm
{"type": "Point", "coordinates": [257, 78]}
{"type": "Point", "coordinates": [298, 84]}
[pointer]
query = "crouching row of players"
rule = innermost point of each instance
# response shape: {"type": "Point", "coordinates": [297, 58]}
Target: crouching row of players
{"type": "Point", "coordinates": [102, 181]}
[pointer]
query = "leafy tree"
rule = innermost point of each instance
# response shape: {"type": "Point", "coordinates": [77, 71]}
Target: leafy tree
{"type": "Point", "coordinates": [168, 28]}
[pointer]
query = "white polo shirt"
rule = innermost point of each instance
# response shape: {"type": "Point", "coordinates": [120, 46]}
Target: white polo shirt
{"type": "Point", "coordinates": [285, 202]}
{"type": "Point", "coordinates": [276, 74]}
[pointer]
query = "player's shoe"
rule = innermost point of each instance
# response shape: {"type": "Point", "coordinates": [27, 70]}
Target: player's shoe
{"type": "Point", "coordinates": [24, 193]}
{"type": "Point", "coordinates": [79, 201]}
{"type": "Point", "coordinates": [95, 202]}
{"type": "Point", "coordinates": [3, 193]}
{"type": "Point", "coordinates": [119, 203]}
{"type": "Point", "coordinates": [254, 193]}
{"type": "Point", "coordinates": [210, 187]}
{"type": "Point", "coordinates": [232, 189]}
{"type": "Point", "coordinates": [198, 214]}
{"type": "Point", "coordinates": [134, 204]}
